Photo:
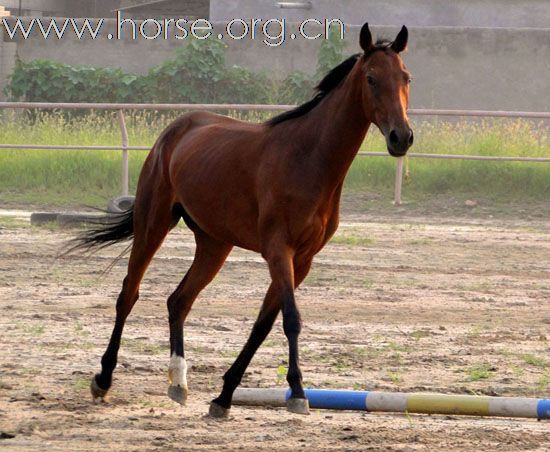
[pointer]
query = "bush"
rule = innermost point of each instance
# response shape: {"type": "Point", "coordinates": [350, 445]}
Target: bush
{"type": "Point", "coordinates": [297, 87]}
{"type": "Point", "coordinates": [330, 53]}
{"type": "Point", "coordinates": [48, 81]}
{"type": "Point", "coordinates": [197, 74]}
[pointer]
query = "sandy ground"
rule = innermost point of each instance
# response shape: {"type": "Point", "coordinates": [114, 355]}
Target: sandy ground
{"type": "Point", "coordinates": [407, 303]}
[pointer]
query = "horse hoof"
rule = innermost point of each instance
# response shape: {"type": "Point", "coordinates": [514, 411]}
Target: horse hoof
{"type": "Point", "coordinates": [217, 411]}
{"type": "Point", "coordinates": [178, 394]}
{"type": "Point", "coordinates": [98, 393]}
{"type": "Point", "coordinates": [298, 406]}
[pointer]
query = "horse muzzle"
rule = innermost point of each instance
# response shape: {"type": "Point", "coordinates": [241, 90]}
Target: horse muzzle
{"type": "Point", "coordinates": [399, 141]}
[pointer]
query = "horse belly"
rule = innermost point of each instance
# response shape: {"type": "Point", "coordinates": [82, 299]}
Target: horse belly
{"type": "Point", "coordinates": [220, 201]}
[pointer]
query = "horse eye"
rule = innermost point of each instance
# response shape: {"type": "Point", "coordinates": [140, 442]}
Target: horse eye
{"type": "Point", "coordinates": [409, 80]}
{"type": "Point", "coordinates": [371, 81]}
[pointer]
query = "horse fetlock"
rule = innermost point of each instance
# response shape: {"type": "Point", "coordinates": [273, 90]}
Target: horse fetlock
{"type": "Point", "coordinates": [177, 375]}
{"type": "Point", "coordinates": [297, 406]}
{"type": "Point", "coordinates": [98, 393]}
{"type": "Point", "coordinates": [177, 371]}
{"type": "Point", "coordinates": [294, 377]}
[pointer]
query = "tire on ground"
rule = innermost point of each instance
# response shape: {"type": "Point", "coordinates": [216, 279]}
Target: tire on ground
{"type": "Point", "coordinates": [68, 219]}
{"type": "Point", "coordinates": [38, 218]}
{"type": "Point", "coordinates": [120, 204]}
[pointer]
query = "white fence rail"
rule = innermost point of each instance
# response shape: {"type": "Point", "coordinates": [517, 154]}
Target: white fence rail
{"type": "Point", "coordinates": [125, 147]}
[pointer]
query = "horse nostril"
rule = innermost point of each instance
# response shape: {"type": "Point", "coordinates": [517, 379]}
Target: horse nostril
{"type": "Point", "coordinates": [394, 139]}
{"type": "Point", "coordinates": [411, 138]}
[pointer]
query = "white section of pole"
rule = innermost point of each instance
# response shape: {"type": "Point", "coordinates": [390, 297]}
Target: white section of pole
{"type": "Point", "coordinates": [260, 397]}
{"type": "Point", "coordinates": [399, 402]}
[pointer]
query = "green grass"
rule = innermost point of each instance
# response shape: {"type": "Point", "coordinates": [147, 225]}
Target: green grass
{"type": "Point", "coordinates": [534, 360]}
{"type": "Point", "coordinates": [13, 223]}
{"type": "Point", "coordinates": [395, 377]}
{"type": "Point", "coordinates": [81, 384]}
{"type": "Point", "coordinates": [544, 381]}
{"type": "Point", "coordinates": [62, 177]}
{"type": "Point", "coordinates": [281, 373]}
{"type": "Point", "coordinates": [68, 177]}
{"type": "Point", "coordinates": [80, 331]}
{"type": "Point", "coordinates": [480, 372]}
{"type": "Point", "coordinates": [395, 347]}
{"type": "Point", "coordinates": [509, 180]}
{"type": "Point", "coordinates": [420, 334]}
{"type": "Point", "coordinates": [351, 239]}
{"type": "Point", "coordinates": [143, 346]}
{"type": "Point", "coordinates": [34, 330]}
{"type": "Point", "coordinates": [230, 354]}
{"type": "Point", "coordinates": [268, 343]}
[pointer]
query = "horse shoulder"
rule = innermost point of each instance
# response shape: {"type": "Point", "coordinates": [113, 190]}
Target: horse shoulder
{"type": "Point", "coordinates": [329, 214]}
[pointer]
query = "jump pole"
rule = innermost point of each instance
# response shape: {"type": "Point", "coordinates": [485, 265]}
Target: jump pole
{"type": "Point", "coordinates": [400, 402]}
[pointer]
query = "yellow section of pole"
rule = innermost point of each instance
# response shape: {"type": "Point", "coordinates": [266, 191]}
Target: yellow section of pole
{"type": "Point", "coordinates": [448, 404]}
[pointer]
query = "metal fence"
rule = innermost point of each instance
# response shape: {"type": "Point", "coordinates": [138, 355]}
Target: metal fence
{"type": "Point", "coordinates": [125, 145]}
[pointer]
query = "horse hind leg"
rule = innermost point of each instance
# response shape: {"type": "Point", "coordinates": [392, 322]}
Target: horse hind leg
{"type": "Point", "coordinates": [210, 256]}
{"type": "Point", "coordinates": [151, 225]}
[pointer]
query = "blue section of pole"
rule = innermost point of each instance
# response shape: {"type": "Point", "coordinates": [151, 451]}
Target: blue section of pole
{"type": "Point", "coordinates": [543, 409]}
{"type": "Point", "coordinates": [336, 400]}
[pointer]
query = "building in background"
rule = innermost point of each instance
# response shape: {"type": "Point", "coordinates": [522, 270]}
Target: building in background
{"type": "Point", "coordinates": [478, 41]}
{"type": "Point", "coordinates": [160, 9]}
{"type": "Point", "coordinates": [414, 13]}
{"type": "Point", "coordinates": [60, 8]}
{"type": "Point", "coordinates": [136, 9]}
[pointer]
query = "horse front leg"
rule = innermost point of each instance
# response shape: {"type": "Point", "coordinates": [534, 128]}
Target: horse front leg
{"type": "Point", "coordinates": [280, 259]}
{"type": "Point", "coordinates": [220, 406]}
{"type": "Point", "coordinates": [280, 296]}
{"type": "Point", "coordinates": [292, 325]}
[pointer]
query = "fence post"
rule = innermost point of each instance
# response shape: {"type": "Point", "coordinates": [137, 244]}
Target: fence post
{"type": "Point", "coordinates": [125, 143]}
{"type": "Point", "coordinates": [398, 181]}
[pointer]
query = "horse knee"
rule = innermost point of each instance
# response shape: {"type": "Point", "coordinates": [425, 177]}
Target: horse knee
{"type": "Point", "coordinates": [292, 325]}
{"type": "Point", "coordinates": [126, 299]}
{"type": "Point", "coordinates": [125, 303]}
{"type": "Point", "coordinates": [292, 322]}
{"type": "Point", "coordinates": [172, 304]}
{"type": "Point", "coordinates": [175, 305]}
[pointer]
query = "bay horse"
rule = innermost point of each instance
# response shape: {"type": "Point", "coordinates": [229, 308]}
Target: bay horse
{"type": "Point", "coordinates": [273, 188]}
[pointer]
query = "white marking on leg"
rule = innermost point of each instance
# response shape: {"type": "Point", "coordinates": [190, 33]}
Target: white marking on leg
{"type": "Point", "coordinates": [177, 371]}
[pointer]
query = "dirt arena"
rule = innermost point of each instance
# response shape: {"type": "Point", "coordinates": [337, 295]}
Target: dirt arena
{"type": "Point", "coordinates": [407, 303]}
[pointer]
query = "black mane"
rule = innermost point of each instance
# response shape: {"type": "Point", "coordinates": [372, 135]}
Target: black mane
{"type": "Point", "coordinates": [329, 83]}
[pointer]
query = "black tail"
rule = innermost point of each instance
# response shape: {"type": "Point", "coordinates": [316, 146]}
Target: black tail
{"type": "Point", "coordinates": [107, 230]}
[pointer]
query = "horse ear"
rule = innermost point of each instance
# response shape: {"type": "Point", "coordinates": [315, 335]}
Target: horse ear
{"type": "Point", "coordinates": [400, 42]}
{"type": "Point", "coordinates": [365, 38]}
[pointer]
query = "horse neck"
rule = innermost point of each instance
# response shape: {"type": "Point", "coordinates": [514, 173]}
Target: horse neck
{"type": "Point", "coordinates": [339, 126]}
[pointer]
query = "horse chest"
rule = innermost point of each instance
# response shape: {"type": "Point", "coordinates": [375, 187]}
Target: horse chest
{"type": "Point", "coordinates": [317, 234]}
